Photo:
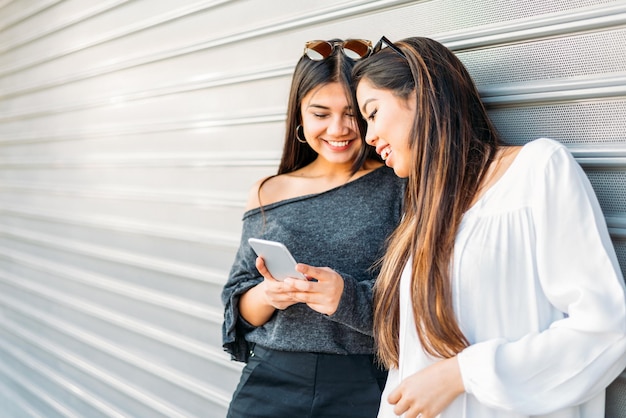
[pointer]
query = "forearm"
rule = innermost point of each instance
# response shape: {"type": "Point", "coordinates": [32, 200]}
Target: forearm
{"type": "Point", "coordinates": [254, 307]}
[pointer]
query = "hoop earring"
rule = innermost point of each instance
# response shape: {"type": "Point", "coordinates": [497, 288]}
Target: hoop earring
{"type": "Point", "coordinates": [299, 135]}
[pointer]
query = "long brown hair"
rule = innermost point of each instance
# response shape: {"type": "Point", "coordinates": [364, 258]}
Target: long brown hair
{"type": "Point", "coordinates": [308, 75]}
{"type": "Point", "coordinates": [452, 142]}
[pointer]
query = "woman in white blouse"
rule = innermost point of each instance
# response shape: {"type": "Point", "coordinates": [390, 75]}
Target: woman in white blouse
{"type": "Point", "coordinates": [500, 294]}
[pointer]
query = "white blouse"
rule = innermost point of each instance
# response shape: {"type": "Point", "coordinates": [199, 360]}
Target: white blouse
{"type": "Point", "coordinates": [537, 291]}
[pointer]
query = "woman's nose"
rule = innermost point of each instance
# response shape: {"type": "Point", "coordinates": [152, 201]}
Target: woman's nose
{"type": "Point", "coordinates": [370, 138]}
{"type": "Point", "coordinates": [338, 127]}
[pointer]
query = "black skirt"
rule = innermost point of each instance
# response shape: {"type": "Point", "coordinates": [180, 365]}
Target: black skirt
{"type": "Point", "coordinates": [280, 384]}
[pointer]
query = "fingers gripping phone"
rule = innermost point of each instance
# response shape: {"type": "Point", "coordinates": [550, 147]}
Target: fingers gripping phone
{"type": "Point", "coordinates": [277, 257]}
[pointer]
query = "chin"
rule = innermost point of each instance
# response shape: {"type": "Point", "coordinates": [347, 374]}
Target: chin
{"type": "Point", "coordinates": [400, 172]}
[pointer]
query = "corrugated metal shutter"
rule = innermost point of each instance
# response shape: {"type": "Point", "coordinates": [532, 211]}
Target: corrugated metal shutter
{"type": "Point", "coordinates": [130, 132]}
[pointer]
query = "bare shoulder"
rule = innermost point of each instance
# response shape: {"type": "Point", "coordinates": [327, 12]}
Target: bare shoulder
{"type": "Point", "coordinates": [300, 182]}
{"type": "Point", "coordinates": [509, 153]}
{"type": "Point", "coordinates": [253, 194]}
{"type": "Point", "coordinates": [269, 190]}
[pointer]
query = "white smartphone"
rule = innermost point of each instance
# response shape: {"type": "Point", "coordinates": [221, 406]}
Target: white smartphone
{"type": "Point", "coordinates": [277, 257]}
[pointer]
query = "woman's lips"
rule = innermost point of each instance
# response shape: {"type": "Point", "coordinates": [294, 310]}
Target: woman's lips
{"type": "Point", "coordinates": [384, 153]}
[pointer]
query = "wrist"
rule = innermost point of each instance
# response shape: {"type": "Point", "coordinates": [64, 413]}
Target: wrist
{"type": "Point", "coordinates": [254, 305]}
{"type": "Point", "coordinates": [455, 378]}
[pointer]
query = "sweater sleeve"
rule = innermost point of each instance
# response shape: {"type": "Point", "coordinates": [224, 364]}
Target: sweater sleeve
{"type": "Point", "coordinates": [355, 308]}
{"type": "Point", "coordinates": [579, 355]}
{"type": "Point", "coordinates": [243, 276]}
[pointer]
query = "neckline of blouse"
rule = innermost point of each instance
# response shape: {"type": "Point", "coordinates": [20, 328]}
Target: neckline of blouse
{"type": "Point", "coordinates": [499, 183]}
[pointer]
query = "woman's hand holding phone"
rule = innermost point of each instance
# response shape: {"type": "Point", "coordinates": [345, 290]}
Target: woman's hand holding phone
{"type": "Point", "coordinates": [323, 294]}
{"type": "Point", "coordinates": [259, 303]}
{"type": "Point", "coordinates": [319, 287]}
{"type": "Point", "coordinates": [277, 293]}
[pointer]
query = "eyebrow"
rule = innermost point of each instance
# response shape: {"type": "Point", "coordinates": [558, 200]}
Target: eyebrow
{"type": "Point", "coordinates": [368, 101]}
{"type": "Point", "coordinates": [319, 106]}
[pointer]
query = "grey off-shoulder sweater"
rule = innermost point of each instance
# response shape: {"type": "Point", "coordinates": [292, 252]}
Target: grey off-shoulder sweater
{"type": "Point", "coordinates": [343, 228]}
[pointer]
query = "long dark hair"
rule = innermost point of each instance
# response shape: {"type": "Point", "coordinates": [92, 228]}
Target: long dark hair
{"type": "Point", "coordinates": [308, 75]}
{"type": "Point", "coordinates": [453, 143]}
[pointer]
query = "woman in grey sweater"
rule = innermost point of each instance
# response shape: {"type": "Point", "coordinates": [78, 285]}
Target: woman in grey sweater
{"type": "Point", "coordinates": [308, 344]}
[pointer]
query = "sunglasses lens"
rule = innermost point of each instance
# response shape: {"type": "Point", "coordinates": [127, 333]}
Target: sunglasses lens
{"type": "Point", "coordinates": [356, 48]}
{"type": "Point", "coordinates": [377, 47]}
{"type": "Point", "coordinates": [318, 50]}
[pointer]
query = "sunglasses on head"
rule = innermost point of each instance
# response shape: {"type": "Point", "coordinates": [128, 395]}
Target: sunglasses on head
{"type": "Point", "coordinates": [385, 41]}
{"type": "Point", "coordinates": [355, 49]}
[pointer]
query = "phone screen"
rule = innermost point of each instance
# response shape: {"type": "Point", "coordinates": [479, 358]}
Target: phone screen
{"type": "Point", "coordinates": [277, 257]}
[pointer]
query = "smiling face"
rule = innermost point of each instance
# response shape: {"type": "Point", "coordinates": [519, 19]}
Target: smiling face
{"type": "Point", "coordinates": [389, 124]}
{"type": "Point", "coordinates": [329, 124]}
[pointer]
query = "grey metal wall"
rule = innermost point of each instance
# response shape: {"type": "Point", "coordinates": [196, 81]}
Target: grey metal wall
{"type": "Point", "coordinates": [131, 130]}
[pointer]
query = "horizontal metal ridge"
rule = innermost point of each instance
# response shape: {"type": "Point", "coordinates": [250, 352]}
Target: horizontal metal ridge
{"type": "Point", "coordinates": [171, 268]}
{"type": "Point", "coordinates": [330, 13]}
{"type": "Point", "coordinates": [10, 396]}
{"type": "Point", "coordinates": [101, 7]}
{"type": "Point", "coordinates": [187, 383]}
{"type": "Point", "coordinates": [597, 150]}
{"type": "Point", "coordinates": [33, 389]}
{"type": "Point", "coordinates": [110, 285]}
{"type": "Point", "coordinates": [4, 3]}
{"type": "Point", "coordinates": [558, 24]}
{"type": "Point", "coordinates": [148, 160]}
{"type": "Point", "coordinates": [107, 37]}
{"type": "Point", "coordinates": [211, 121]}
{"type": "Point", "coordinates": [555, 91]}
{"type": "Point", "coordinates": [186, 198]}
{"type": "Point", "coordinates": [555, 85]}
{"type": "Point", "coordinates": [27, 12]}
{"type": "Point", "coordinates": [617, 225]}
{"type": "Point", "coordinates": [610, 156]}
{"type": "Point", "coordinates": [567, 22]}
{"type": "Point", "coordinates": [606, 163]}
{"type": "Point", "coordinates": [125, 225]}
{"type": "Point", "coordinates": [184, 86]}
{"type": "Point", "coordinates": [94, 371]}
{"type": "Point", "coordinates": [125, 322]}
{"type": "Point", "coordinates": [37, 33]}
{"type": "Point", "coordinates": [39, 368]}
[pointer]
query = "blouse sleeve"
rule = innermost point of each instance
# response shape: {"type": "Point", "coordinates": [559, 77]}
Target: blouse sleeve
{"type": "Point", "coordinates": [579, 355]}
{"type": "Point", "coordinates": [243, 276]}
